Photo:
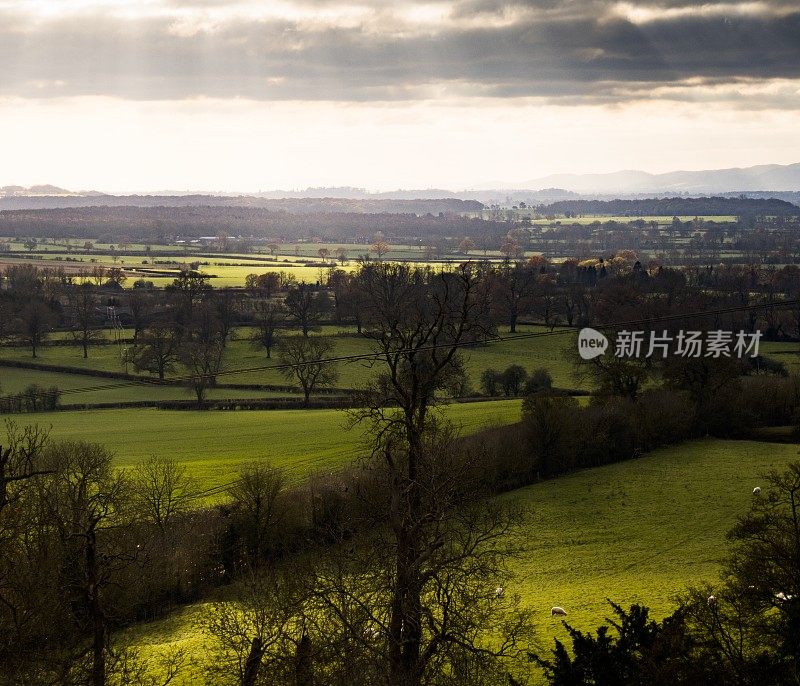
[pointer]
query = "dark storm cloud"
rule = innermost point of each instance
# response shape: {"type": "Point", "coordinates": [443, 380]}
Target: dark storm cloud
{"type": "Point", "coordinates": [529, 48]}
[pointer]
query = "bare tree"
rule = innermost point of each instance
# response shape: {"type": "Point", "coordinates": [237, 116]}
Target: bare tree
{"type": "Point", "coordinates": [140, 305]}
{"type": "Point", "coordinates": [258, 630]}
{"type": "Point", "coordinates": [202, 357]}
{"type": "Point", "coordinates": [269, 316]}
{"type": "Point", "coordinates": [471, 628]}
{"type": "Point", "coordinates": [418, 320]}
{"type": "Point", "coordinates": [305, 360]}
{"type": "Point", "coordinates": [191, 287]}
{"type": "Point", "coordinates": [20, 460]}
{"type": "Point", "coordinates": [225, 311]}
{"type": "Point", "coordinates": [255, 499]}
{"type": "Point", "coordinates": [82, 309]}
{"type": "Point", "coordinates": [158, 348]}
{"type": "Point", "coordinates": [36, 320]}
{"type": "Point", "coordinates": [82, 499]}
{"type": "Point", "coordinates": [161, 489]}
{"type": "Point", "coordinates": [305, 307]}
{"type": "Point", "coordinates": [514, 285]}
{"type": "Point", "coordinates": [380, 248]}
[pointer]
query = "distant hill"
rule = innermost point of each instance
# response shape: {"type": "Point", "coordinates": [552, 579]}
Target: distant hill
{"type": "Point", "coordinates": [763, 181]}
{"type": "Point", "coordinates": [768, 177]}
{"type": "Point", "coordinates": [44, 189]}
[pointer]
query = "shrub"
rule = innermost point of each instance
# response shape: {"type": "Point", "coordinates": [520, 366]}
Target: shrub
{"type": "Point", "coordinates": [766, 366]}
{"type": "Point", "coordinates": [539, 380]}
{"type": "Point", "coordinates": [771, 401]}
{"type": "Point", "coordinates": [630, 649]}
{"type": "Point", "coordinates": [512, 379]}
{"type": "Point", "coordinates": [663, 417]}
{"type": "Point", "coordinates": [490, 382]}
{"type": "Point", "coordinates": [33, 399]}
{"type": "Point", "coordinates": [552, 429]}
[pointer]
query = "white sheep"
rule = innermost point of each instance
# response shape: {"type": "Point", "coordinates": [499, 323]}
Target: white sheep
{"type": "Point", "coordinates": [499, 592]}
{"type": "Point", "coordinates": [784, 597]}
{"type": "Point", "coordinates": [558, 611]}
{"type": "Point", "coordinates": [712, 601]}
{"type": "Point", "coordinates": [757, 490]}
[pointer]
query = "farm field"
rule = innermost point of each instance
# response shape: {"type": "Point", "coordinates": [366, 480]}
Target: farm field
{"type": "Point", "coordinates": [213, 444]}
{"type": "Point", "coordinates": [14, 380]}
{"type": "Point", "coordinates": [788, 353]}
{"type": "Point", "coordinates": [552, 352]}
{"type": "Point", "coordinates": [544, 351]}
{"type": "Point", "coordinates": [549, 351]}
{"type": "Point", "coordinates": [223, 270]}
{"type": "Point", "coordinates": [591, 218]}
{"type": "Point", "coordinates": [102, 356]}
{"type": "Point", "coordinates": [76, 245]}
{"type": "Point", "coordinates": [639, 531]}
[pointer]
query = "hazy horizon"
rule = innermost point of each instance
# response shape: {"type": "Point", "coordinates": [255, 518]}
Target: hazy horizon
{"type": "Point", "coordinates": [518, 186]}
{"type": "Point", "coordinates": [124, 96]}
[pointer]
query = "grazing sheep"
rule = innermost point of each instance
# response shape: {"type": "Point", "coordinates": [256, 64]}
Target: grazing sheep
{"type": "Point", "coordinates": [784, 597]}
{"type": "Point", "coordinates": [757, 490]}
{"type": "Point", "coordinates": [560, 611]}
{"type": "Point", "coordinates": [712, 601]}
{"type": "Point", "coordinates": [499, 592]}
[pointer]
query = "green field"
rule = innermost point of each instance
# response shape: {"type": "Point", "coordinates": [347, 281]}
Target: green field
{"type": "Point", "coordinates": [788, 353]}
{"type": "Point", "coordinates": [213, 444]}
{"type": "Point", "coordinates": [223, 270]}
{"type": "Point", "coordinates": [16, 380]}
{"type": "Point", "coordinates": [551, 351]}
{"type": "Point", "coordinates": [547, 351]}
{"type": "Point", "coordinates": [639, 531]}
{"type": "Point", "coordinates": [544, 351]}
{"type": "Point", "coordinates": [516, 214]}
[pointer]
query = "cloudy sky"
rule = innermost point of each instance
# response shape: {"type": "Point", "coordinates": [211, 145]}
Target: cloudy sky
{"type": "Point", "coordinates": [126, 95]}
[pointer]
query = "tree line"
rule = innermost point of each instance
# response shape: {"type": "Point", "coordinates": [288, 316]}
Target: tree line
{"type": "Point", "coordinates": [392, 571]}
{"type": "Point", "coordinates": [401, 568]}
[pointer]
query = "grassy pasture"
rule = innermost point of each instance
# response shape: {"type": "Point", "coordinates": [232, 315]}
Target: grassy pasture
{"type": "Point", "coordinates": [224, 270]}
{"type": "Point", "coordinates": [214, 444]}
{"type": "Point", "coordinates": [638, 531]}
{"type": "Point", "coordinates": [104, 355]}
{"type": "Point", "coordinates": [544, 351]}
{"type": "Point", "coordinates": [76, 246]}
{"type": "Point", "coordinates": [16, 380]}
{"type": "Point", "coordinates": [553, 352]}
{"type": "Point", "coordinates": [788, 353]}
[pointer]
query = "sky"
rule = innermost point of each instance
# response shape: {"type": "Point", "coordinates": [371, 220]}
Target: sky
{"type": "Point", "coordinates": [237, 95]}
